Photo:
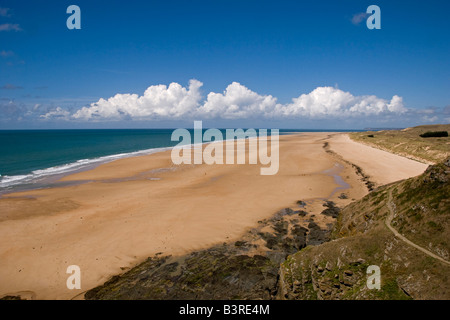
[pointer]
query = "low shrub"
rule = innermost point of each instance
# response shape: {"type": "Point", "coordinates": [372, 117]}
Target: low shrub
{"type": "Point", "coordinates": [430, 134]}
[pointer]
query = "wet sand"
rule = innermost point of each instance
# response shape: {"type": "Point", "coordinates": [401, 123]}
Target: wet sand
{"type": "Point", "coordinates": [133, 208]}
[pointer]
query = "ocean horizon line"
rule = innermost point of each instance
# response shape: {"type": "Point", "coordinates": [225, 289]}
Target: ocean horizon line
{"type": "Point", "coordinates": [204, 128]}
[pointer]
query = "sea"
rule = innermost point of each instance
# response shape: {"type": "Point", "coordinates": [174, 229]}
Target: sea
{"type": "Point", "coordinates": [31, 159]}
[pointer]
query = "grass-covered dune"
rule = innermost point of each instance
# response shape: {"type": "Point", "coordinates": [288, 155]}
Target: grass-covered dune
{"type": "Point", "coordinates": [409, 143]}
{"type": "Point", "coordinates": [420, 210]}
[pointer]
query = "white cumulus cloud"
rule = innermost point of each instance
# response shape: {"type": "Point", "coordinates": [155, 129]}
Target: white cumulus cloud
{"type": "Point", "coordinates": [173, 102]}
{"type": "Point", "coordinates": [158, 101]}
{"type": "Point", "coordinates": [236, 102]}
{"type": "Point", "coordinates": [332, 102]}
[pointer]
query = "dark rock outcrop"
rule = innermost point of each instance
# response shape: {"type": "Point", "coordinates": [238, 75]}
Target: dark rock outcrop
{"type": "Point", "coordinates": [244, 269]}
{"type": "Point", "coordinates": [331, 210]}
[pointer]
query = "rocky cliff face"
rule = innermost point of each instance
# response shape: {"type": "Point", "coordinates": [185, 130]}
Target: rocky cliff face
{"type": "Point", "coordinates": [338, 269]}
{"type": "Point", "coordinates": [298, 255]}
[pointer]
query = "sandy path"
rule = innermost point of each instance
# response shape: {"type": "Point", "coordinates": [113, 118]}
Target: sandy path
{"type": "Point", "coordinates": [131, 209]}
{"type": "Point", "coordinates": [388, 222]}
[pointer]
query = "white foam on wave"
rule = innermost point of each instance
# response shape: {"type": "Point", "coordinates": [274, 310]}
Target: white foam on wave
{"type": "Point", "coordinates": [34, 176]}
{"type": "Point", "coordinates": [10, 181]}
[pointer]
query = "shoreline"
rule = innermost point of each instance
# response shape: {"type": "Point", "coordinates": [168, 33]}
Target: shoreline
{"type": "Point", "coordinates": [54, 180]}
{"type": "Point", "coordinates": [51, 179]}
{"type": "Point", "coordinates": [57, 172]}
{"type": "Point", "coordinates": [107, 227]}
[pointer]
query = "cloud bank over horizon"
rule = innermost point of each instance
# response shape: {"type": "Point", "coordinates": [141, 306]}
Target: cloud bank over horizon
{"type": "Point", "coordinates": [173, 102]}
{"type": "Point", "coordinates": [175, 105]}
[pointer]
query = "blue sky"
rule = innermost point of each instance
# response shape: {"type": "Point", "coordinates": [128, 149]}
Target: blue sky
{"type": "Point", "coordinates": [232, 63]}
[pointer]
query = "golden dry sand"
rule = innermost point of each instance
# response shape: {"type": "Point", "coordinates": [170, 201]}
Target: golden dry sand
{"type": "Point", "coordinates": [133, 208]}
{"type": "Point", "coordinates": [381, 166]}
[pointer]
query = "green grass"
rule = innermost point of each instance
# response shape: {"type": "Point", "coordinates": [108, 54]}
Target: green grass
{"type": "Point", "coordinates": [390, 290]}
{"type": "Point", "coordinates": [409, 143]}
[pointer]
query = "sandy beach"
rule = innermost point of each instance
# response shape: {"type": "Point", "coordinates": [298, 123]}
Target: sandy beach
{"type": "Point", "coordinates": [122, 212]}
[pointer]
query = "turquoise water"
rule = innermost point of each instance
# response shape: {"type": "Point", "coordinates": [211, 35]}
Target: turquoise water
{"type": "Point", "coordinates": [30, 157]}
